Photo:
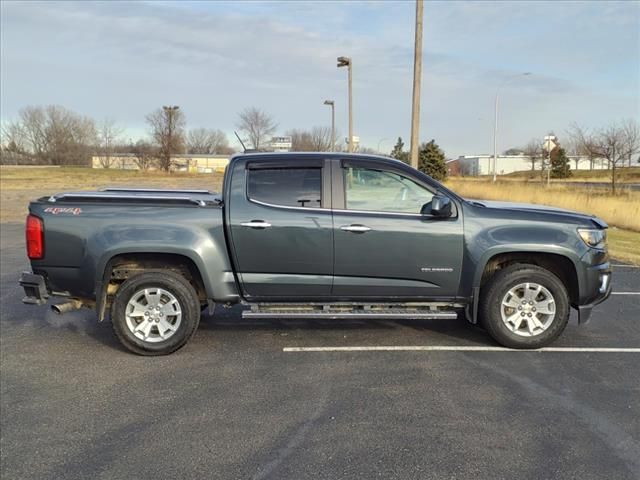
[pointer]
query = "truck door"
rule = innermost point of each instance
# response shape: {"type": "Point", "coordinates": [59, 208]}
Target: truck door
{"type": "Point", "coordinates": [384, 247]}
{"type": "Point", "coordinates": [281, 227]}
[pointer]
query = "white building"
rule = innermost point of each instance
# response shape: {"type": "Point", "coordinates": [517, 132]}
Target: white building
{"type": "Point", "coordinates": [281, 144]}
{"type": "Point", "coordinates": [483, 164]}
{"type": "Point", "coordinates": [196, 163]}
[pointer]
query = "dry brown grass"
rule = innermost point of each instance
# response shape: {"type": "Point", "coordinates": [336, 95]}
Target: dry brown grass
{"type": "Point", "coordinates": [18, 186]}
{"type": "Point", "coordinates": [623, 175]}
{"type": "Point", "coordinates": [622, 210]}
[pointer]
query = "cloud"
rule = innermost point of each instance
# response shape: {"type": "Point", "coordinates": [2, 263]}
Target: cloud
{"type": "Point", "coordinates": [122, 60]}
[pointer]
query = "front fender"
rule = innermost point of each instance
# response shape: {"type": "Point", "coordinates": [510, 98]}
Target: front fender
{"type": "Point", "coordinates": [526, 249]}
{"type": "Point", "coordinates": [486, 237]}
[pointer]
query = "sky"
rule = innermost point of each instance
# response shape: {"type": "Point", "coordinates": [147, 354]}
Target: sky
{"type": "Point", "coordinates": [122, 60]}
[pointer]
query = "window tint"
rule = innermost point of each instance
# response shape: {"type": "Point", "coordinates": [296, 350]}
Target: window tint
{"type": "Point", "coordinates": [291, 187]}
{"type": "Point", "coordinates": [381, 191]}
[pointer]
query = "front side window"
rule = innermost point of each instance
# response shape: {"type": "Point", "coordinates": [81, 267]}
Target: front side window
{"type": "Point", "coordinates": [379, 191]}
{"type": "Point", "coordinates": [289, 187]}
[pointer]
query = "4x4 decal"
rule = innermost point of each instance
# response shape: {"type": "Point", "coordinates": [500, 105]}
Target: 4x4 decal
{"type": "Point", "coordinates": [63, 210]}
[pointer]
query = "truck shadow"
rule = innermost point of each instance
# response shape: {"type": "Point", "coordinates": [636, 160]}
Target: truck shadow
{"type": "Point", "coordinates": [220, 327]}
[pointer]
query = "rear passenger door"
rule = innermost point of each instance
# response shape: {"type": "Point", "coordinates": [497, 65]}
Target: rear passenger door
{"type": "Point", "coordinates": [281, 228]}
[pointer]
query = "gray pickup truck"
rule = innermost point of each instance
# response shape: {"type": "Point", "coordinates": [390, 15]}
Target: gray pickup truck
{"type": "Point", "coordinates": [314, 235]}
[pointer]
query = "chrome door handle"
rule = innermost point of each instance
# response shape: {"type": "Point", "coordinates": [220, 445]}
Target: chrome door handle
{"type": "Point", "coordinates": [256, 224]}
{"type": "Point", "coordinates": [355, 228]}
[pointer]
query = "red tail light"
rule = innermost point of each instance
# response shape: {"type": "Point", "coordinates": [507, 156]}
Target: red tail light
{"type": "Point", "coordinates": [34, 234]}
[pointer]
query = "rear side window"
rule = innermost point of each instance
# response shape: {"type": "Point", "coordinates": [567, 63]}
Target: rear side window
{"type": "Point", "coordinates": [289, 187]}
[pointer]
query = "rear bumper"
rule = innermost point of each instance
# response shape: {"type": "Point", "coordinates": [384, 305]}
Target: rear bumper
{"type": "Point", "coordinates": [35, 288]}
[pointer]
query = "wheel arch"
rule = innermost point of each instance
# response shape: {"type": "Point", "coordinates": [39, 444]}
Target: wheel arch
{"type": "Point", "coordinates": [121, 265]}
{"type": "Point", "coordinates": [561, 264]}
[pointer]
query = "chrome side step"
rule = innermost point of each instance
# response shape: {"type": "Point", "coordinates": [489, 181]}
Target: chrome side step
{"type": "Point", "coordinates": [341, 311]}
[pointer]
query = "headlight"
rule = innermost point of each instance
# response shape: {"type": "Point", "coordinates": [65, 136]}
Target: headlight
{"type": "Point", "coordinates": [595, 237]}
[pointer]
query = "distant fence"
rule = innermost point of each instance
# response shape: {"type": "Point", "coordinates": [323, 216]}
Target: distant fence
{"type": "Point", "coordinates": [32, 166]}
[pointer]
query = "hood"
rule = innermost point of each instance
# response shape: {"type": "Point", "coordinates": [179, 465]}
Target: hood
{"type": "Point", "coordinates": [530, 207]}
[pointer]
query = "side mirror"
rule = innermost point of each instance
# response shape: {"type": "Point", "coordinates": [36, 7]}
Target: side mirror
{"type": "Point", "coordinates": [439, 206]}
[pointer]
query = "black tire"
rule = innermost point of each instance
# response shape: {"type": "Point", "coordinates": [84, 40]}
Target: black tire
{"type": "Point", "coordinates": [176, 285]}
{"type": "Point", "coordinates": [496, 289]}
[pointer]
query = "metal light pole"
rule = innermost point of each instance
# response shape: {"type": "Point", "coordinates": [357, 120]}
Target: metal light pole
{"type": "Point", "coordinates": [331, 103]}
{"type": "Point", "coordinates": [346, 62]}
{"type": "Point", "coordinates": [417, 77]}
{"type": "Point", "coordinates": [495, 125]}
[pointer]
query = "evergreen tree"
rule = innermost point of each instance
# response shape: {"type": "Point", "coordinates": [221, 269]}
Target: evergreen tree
{"type": "Point", "coordinates": [398, 153]}
{"type": "Point", "coordinates": [560, 167]}
{"type": "Point", "coordinates": [431, 161]}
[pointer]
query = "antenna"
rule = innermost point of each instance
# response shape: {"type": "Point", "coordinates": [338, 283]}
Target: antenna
{"type": "Point", "coordinates": [241, 142]}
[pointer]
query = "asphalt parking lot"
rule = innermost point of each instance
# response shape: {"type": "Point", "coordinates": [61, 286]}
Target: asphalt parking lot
{"type": "Point", "coordinates": [234, 404]}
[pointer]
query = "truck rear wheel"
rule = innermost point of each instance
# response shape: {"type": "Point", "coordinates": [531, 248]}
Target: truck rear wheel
{"type": "Point", "coordinates": [155, 312]}
{"type": "Point", "coordinates": [524, 306]}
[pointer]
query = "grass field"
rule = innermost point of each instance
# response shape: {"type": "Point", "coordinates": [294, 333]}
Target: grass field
{"type": "Point", "coordinates": [621, 210]}
{"type": "Point", "coordinates": [623, 175]}
{"type": "Point", "coordinates": [20, 185]}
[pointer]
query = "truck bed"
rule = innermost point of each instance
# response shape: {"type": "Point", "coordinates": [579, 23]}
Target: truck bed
{"type": "Point", "coordinates": [84, 230]}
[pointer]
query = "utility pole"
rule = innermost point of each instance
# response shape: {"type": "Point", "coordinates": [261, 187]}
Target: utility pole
{"type": "Point", "coordinates": [347, 62]}
{"type": "Point", "coordinates": [417, 78]}
{"type": "Point", "coordinates": [331, 103]}
{"type": "Point", "coordinates": [495, 140]}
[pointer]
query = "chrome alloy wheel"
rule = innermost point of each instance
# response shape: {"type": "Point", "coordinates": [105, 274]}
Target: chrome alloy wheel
{"type": "Point", "coordinates": [153, 314]}
{"type": "Point", "coordinates": [528, 309]}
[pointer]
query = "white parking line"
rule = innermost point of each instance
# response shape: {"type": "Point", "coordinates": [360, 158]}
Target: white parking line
{"type": "Point", "coordinates": [453, 348]}
{"type": "Point", "coordinates": [625, 293]}
{"type": "Point", "coordinates": [625, 266]}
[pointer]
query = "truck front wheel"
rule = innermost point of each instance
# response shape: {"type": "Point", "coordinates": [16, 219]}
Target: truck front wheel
{"type": "Point", "coordinates": [524, 306]}
{"type": "Point", "coordinates": [155, 312]}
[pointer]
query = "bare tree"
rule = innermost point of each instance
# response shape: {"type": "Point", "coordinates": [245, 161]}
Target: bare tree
{"type": "Point", "coordinates": [513, 151]}
{"type": "Point", "coordinates": [69, 138]}
{"type": "Point", "coordinates": [54, 135]}
{"type": "Point", "coordinates": [534, 151]}
{"type": "Point", "coordinates": [318, 139]}
{"type": "Point", "coordinates": [571, 150]}
{"type": "Point", "coordinates": [368, 150]}
{"type": "Point", "coordinates": [631, 136]}
{"type": "Point", "coordinates": [300, 140]}
{"type": "Point", "coordinates": [167, 129]}
{"type": "Point", "coordinates": [34, 129]}
{"type": "Point", "coordinates": [615, 144]}
{"type": "Point", "coordinates": [207, 141]}
{"type": "Point", "coordinates": [108, 136]}
{"type": "Point", "coordinates": [585, 143]}
{"type": "Point", "coordinates": [321, 138]}
{"type": "Point", "coordinates": [12, 137]}
{"type": "Point", "coordinates": [257, 125]}
{"type": "Point", "coordinates": [611, 146]}
{"type": "Point", "coordinates": [144, 154]}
